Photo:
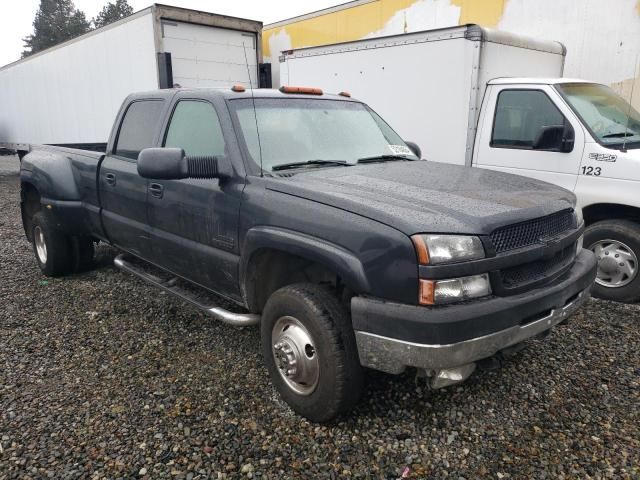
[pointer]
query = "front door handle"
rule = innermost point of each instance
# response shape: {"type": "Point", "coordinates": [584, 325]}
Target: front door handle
{"type": "Point", "coordinates": [156, 190]}
{"type": "Point", "coordinates": [110, 179]}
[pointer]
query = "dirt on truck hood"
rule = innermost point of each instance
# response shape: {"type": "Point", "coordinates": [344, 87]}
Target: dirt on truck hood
{"type": "Point", "coordinates": [425, 196]}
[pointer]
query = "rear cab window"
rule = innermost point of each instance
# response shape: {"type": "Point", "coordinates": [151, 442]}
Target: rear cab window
{"type": "Point", "coordinates": [138, 128]}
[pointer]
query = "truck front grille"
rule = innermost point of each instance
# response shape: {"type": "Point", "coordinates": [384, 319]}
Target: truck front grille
{"type": "Point", "coordinates": [529, 233]}
{"type": "Point", "coordinates": [522, 275]}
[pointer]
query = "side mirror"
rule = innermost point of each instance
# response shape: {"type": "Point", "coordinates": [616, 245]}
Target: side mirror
{"type": "Point", "coordinates": [568, 139]}
{"type": "Point", "coordinates": [554, 137]}
{"type": "Point", "coordinates": [172, 164]}
{"type": "Point", "coordinates": [163, 163]}
{"type": "Point", "coordinates": [414, 148]}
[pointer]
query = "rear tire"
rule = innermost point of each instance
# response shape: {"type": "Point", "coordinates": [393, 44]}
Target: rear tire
{"type": "Point", "coordinates": [306, 330]}
{"type": "Point", "coordinates": [83, 252]}
{"type": "Point", "coordinates": [51, 247]}
{"type": "Point", "coordinates": [616, 244]}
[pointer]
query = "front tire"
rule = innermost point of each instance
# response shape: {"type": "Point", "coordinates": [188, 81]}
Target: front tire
{"type": "Point", "coordinates": [309, 349]}
{"type": "Point", "coordinates": [616, 244]}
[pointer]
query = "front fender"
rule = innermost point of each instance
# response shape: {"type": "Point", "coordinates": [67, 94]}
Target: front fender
{"type": "Point", "coordinates": [331, 256]}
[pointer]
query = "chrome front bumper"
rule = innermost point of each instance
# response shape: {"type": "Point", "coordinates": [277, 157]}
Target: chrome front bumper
{"type": "Point", "coordinates": [393, 356]}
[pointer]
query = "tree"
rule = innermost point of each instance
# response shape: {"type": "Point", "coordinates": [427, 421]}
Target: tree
{"type": "Point", "coordinates": [112, 12]}
{"type": "Point", "coordinates": [56, 21]}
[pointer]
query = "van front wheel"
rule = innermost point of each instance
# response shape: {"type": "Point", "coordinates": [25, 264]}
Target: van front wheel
{"type": "Point", "coordinates": [616, 244]}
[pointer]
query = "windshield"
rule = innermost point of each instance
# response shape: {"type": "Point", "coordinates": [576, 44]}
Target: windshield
{"type": "Point", "coordinates": [608, 116]}
{"type": "Point", "coordinates": [314, 132]}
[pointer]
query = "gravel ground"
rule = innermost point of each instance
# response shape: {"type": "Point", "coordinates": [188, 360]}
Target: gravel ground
{"type": "Point", "coordinates": [102, 376]}
{"type": "Point", "coordinates": [9, 164]}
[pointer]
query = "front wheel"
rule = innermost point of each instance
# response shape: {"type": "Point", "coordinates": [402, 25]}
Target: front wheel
{"type": "Point", "coordinates": [309, 348]}
{"type": "Point", "coordinates": [616, 244]}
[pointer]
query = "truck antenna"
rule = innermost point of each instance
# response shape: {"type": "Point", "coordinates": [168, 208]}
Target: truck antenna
{"type": "Point", "coordinates": [626, 128]}
{"type": "Point", "coordinates": [255, 114]}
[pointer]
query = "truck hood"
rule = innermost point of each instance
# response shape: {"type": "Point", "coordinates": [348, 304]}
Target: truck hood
{"type": "Point", "coordinates": [420, 196]}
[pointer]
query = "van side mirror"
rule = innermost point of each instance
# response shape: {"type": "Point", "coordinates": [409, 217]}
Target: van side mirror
{"type": "Point", "coordinates": [414, 148]}
{"type": "Point", "coordinates": [554, 137]}
{"type": "Point", "coordinates": [173, 164]}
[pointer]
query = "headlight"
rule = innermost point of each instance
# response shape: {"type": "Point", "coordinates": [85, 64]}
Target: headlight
{"type": "Point", "coordinates": [437, 292]}
{"type": "Point", "coordinates": [439, 249]}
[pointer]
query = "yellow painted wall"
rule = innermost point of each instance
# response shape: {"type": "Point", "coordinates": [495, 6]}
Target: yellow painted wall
{"type": "Point", "coordinates": [359, 21]}
{"type": "Point", "coordinates": [601, 36]}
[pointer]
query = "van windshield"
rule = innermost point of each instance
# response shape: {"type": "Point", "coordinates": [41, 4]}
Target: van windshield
{"type": "Point", "coordinates": [303, 132]}
{"type": "Point", "coordinates": [608, 116]}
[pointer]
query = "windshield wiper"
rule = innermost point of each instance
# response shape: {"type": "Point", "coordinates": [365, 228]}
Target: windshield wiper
{"type": "Point", "coordinates": [286, 166]}
{"type": "Point", "coordinates": [384, 158]}
{"type": "Point", "coordinates": [619, 134]}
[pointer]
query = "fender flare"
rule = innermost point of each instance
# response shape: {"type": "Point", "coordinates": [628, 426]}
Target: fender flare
{"type": "Point", "coordinates": [51, 174]}
{"type": "Point", "coordinates": [327, 254]}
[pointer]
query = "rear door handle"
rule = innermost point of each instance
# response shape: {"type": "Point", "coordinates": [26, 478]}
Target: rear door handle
{"type": "Point", "coordinates": [111, 179]}
{"type": "Point", "coordinates": [156, 190]}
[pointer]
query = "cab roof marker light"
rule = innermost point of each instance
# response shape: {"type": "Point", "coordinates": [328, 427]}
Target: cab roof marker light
{"type": "Point", "coordinates": [345, 94]}
{"type": "Point", "coordinates": [304, 90]}
{"type": "Point", "coordinates": [238, 88]}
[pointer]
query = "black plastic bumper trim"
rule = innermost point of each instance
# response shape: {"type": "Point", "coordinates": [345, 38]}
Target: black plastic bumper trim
{"type": "Point", "coordinates": [456, 323]}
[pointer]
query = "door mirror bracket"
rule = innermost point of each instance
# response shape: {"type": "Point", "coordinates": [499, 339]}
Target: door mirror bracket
{"type": "Point", "coordinates": [554, 137]}
{"type": "Point", "coordinates": [414, 148]}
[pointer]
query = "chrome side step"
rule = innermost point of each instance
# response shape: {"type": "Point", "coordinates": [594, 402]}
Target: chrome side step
{"type": "Point", "coordinates": [230, 318]}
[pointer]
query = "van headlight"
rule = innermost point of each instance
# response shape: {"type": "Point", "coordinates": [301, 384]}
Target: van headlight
{"type": "Point", "coordinates": [441, 249]}
{"type": "Point", "coordinates": [438, 292]}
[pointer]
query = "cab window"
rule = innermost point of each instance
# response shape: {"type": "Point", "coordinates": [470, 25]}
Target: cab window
{"type": "Point", "coordinates": [195, 128]}
{"type": "Point", "coordinates": [523, 117]}
{"type": "Point", "coordinates": [138, 128]}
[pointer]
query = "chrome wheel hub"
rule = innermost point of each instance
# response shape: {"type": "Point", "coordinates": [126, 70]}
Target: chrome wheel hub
{"type": "Point", "coordinates": [41, 246]}
{"type": "Point", "coordinates": [295, 355]}
{"type": "Point", "coordinates": [617, 263]}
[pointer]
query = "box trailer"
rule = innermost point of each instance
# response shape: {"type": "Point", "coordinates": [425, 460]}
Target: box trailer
{"type": "Point", "coordinates": [47, 98]}
{"type": "Point", "coordinates": [429, 85]}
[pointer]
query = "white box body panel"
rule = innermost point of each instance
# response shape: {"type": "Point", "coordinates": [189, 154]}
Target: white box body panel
{"type": "Point", "coordinates": [203, 56]}
{"type": "Point", "coordinates": [427, 85]}
{"type": "Point", "coordinates": [400, 84]}
{"type": "Point", "coordinates": [71, 94]}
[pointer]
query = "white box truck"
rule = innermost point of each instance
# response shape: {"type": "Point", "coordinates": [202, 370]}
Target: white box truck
{"type": "Point", "coordinates": [48, 97]}
{"type": "Point", "coordinates": [483, 98]}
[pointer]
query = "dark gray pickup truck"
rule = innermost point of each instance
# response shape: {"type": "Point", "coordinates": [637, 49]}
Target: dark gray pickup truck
{"type": "Point", "coordinates": [313, 216]}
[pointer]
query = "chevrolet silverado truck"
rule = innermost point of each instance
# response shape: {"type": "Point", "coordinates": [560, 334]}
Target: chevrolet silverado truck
{"type": "Point", "coordinates": [324, 227]}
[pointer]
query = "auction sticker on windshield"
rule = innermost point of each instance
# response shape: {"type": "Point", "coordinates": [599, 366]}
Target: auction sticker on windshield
{"type": "Point", "coordinates": [400, 150]}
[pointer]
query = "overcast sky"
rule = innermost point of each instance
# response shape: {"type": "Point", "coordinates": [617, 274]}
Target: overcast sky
{"type": "Point", "coordinates": [16, 16]}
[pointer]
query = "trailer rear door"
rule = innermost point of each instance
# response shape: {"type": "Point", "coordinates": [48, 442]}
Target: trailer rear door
{"type": "Point", "coordinates": [206, 56]}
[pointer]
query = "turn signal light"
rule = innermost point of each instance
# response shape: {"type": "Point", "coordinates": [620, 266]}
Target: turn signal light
{"type": "Point", "coordinates": [304, 90]}
{"type": "Point", "coordinates": [438, 292]}
{"type": "Point", "coordinates": [426, 293]}
{"type": "Point", "coordinates": [421, 249]}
